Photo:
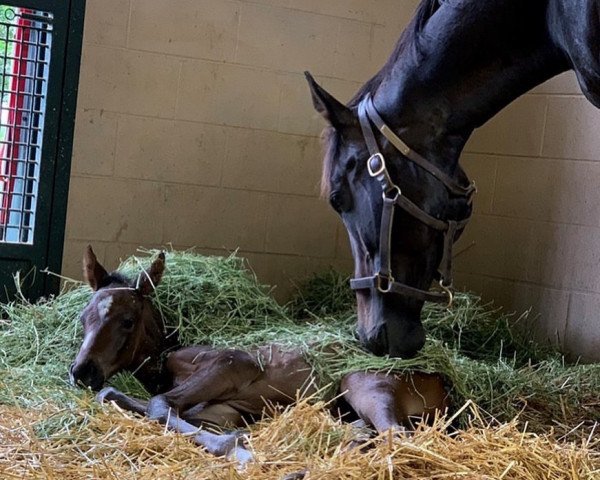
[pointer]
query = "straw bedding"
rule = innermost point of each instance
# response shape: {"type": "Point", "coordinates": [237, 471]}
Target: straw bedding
{"type": "Point", "coordinates": [535, 416]}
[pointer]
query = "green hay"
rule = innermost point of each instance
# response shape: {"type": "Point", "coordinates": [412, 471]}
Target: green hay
{"type": "Point", "coordinates": [215, 300]}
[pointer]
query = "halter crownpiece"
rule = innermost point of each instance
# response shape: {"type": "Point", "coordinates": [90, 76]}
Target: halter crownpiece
{"type": "Point", "coordinates": [383, 280]}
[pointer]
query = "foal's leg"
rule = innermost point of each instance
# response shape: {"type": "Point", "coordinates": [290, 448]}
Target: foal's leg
{"type": "Point", "coordinates": [226, 376]}
{"type": "Point", "coordinates": [372, 398]}
{"type": "Point", "coordinates": [387, 401]}
{"type": "Point", "coordinates": [111, 394]}
{"type": "Point", "coordinates": [228, 445]}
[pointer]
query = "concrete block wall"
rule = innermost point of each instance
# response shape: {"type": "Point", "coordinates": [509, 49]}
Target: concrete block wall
{"type": "Point", "coordinates": [534, 241]}
{"type": "Point", "coordinates": [195, 127]}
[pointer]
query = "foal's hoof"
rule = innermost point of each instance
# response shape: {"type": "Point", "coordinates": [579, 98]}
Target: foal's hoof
{"type": "Point", "coordinates": [107, 394]}
{"type": "Point", "coordinates": [240, 455]}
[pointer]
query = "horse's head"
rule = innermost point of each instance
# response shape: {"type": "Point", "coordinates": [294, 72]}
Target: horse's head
{"type": "Point", "coordinates": [120, 330]}
{"type": "Point", "coordinates": [388, 321]}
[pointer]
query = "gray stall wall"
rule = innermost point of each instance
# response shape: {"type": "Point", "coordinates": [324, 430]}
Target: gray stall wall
{"type": "Point", "coordinates": [195, 128]}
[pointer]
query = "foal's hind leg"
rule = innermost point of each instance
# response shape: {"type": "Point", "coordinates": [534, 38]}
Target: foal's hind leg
{"type": "Point", "coordinates": [110, 394]}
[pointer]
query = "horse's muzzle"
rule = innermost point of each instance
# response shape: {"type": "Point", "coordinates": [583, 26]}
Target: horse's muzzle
{"type": "Point", "coordinates": [396, 338]}
{"type": "Point", "coordinates": [86, 374]}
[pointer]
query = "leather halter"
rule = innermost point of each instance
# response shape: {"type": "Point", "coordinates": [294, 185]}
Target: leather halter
{"type": "Point", "coordinates": [383, 280]}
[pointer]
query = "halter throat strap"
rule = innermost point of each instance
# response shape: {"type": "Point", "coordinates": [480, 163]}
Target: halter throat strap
{"type": "Point", "coordinates": [383, 280]}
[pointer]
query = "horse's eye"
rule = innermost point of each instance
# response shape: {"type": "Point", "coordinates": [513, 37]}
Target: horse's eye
{"type": "Point", "coordinates": [127, 323]}
{"type": "Point", "coordinates": [351, 164]}
{"type": "Point", "coordinates": [335, 200]}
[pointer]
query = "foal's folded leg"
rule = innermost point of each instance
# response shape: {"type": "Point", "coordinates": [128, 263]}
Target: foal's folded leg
{"type": "Point", "coordinates": [228, 445]}
{"type": "Point", "coordinates": [372, 398]}
{"type": "Point", "coordinates": [110, 394]}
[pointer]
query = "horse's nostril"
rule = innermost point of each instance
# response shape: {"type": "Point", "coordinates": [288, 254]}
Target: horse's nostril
{"type": "Point", "coordinates": [376, 344]}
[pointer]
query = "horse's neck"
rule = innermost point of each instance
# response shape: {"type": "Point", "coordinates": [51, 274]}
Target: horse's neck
{"type": "Point", "coordinates": [471, 59]}
{"type": "Point", "coordinates": [151, 357]}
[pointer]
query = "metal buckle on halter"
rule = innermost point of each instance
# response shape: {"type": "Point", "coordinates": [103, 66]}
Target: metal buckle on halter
{"type": "Point", "coordinates": [381, 169]}
{"type": "Point", "coordinates": [387, 281]}
{"type": "Point", "coordinates": [447, 289]}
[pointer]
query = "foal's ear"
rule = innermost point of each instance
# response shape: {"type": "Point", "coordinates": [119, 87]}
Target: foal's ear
{"type": "Point", "coordinates": [332, 110]}
{"type": "Point", "coordinates": [93, 272]}
{"type": "Point", "coordinates": [150, 278]}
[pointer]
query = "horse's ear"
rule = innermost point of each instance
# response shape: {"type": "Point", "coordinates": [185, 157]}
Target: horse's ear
{"type": "Point", "coordinates": [150, 278]}
{"type": "Point", "coordinates": [93, 272]}
{"type": "Point", "coordinates": [332, 110]}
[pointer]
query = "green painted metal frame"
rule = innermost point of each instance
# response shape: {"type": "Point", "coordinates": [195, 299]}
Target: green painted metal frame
{"type": "Point", "coordinates": [67, 37]}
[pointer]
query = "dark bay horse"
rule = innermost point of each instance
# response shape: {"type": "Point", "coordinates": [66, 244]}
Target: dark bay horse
{"type": "Point", "coordinates": [200, 385]}
{"type": "Point", "coordinates": [391, 164]}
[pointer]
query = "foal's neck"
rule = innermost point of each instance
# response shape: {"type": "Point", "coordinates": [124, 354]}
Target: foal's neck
{"type": "Point", "coordinates": [149, 365]}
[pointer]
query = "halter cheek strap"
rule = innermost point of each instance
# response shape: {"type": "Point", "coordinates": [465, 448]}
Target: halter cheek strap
{"type": "Point", "coordinates": [383, 280]}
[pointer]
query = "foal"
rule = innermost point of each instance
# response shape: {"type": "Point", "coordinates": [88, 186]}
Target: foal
{"type": "Point", "coordinates": [200, 385]}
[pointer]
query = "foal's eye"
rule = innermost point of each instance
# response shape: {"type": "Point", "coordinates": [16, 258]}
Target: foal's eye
{"type": "Point", "coordinates": [127, 323]}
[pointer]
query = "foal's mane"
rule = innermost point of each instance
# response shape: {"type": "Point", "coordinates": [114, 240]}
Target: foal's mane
{"type": "Point", "coordinates": [408, 44]}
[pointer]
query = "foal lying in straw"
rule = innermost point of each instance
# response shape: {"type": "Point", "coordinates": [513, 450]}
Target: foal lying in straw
{"type": "Point", "coordinates": [200, 386]}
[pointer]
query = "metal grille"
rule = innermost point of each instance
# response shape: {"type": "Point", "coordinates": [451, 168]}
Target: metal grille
{"type": "Point", "coordinates": [25, 40]}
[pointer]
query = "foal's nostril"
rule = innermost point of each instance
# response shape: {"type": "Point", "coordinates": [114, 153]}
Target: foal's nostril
{"type": "Point", "coordinates": [87, 374]}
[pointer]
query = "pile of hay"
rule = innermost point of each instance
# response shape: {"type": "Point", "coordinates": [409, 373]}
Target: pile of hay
{"type": "Point", "coordinates": [49, 427]}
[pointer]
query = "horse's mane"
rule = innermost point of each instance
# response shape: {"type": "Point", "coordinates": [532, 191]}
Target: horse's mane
{"type": "Point", "coordinates": [408, 44]}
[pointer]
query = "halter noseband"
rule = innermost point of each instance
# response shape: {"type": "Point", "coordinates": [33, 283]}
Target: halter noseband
{"type": "Point", "coordinates": [383, 280]}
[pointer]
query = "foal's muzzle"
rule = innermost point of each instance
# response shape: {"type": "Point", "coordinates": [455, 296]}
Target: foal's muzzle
{"type": "Point", "coordinates": [86, 374]}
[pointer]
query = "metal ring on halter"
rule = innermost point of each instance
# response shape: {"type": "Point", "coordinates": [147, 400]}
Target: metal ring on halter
{"type": "Point", "coordinates": [447, 289]}
{"type": "Point", "coordinates": [381, 169]}
{"type": "Point", "coordinates": [393, 188]}
{"type": "Point", "coordinates": [389, 281]}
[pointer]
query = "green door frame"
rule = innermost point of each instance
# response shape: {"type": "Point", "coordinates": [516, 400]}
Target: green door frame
{"type": "Point", "coordinates": [55, 168]}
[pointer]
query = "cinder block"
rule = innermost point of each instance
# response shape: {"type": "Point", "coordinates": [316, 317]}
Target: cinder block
{"type": "Point", "coordinates": [72, 266]}
{"type": "Point", "coordinates": [554, 190]}
{"type": "Point", "coordinates": [106, 22]}
{"type": "Point", "coordinates": [545, 308]}
{"type": "Point", "coordinates": [296, 112]}
{"type": "Point", "coordinates": [128, 82]}
{"type": "Point", "coordinates": [571, 130]}
{"type": "Point", "coordinates": [300, 226]}
{"type": "Point", "coordinates": [94, 143]}
{"type": "Point", "coordinates": [565, 256]}
{"type": "Point", "coordinates": [170, 150]}
{"type": "Point", "coordinates": [516, 130]}
{"type": "Point", "coordinates": [297, 40]}
{"type": "Point", "coordinates": [107, 209]}
{"type": "Point", "coordinates": [583, 335]}
{"type": "Point", "coordinates": [285, 272]}
{"type": "Point", "coordinates": [395, 14]}
{"type": "Point", "coordinates": [272, 162]}
{"type": "Point", "coordinates": [191, 28]}
{"type": "Point", "coordinates": [214, 217]}
{"type": "Point", "coordinates": [353, 51]}
{"type": "Point", "coordinates": [563, 84]}
{"type": "Point", "coordinates": [482, 170]}
{"type": "Point", "coordinates": [495, 246]}
{"type": "Point", "coordinates": [228, 95]}
{"type": "Point", "coordinates": [364, 10]}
